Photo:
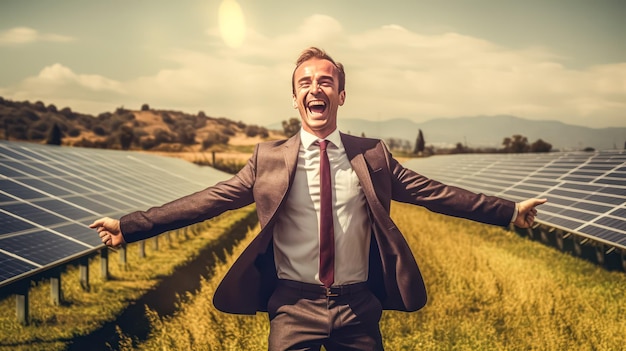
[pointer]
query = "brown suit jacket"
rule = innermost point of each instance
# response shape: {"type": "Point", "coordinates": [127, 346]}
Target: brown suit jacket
{"type": "Point", "coordinates": [266, 179]}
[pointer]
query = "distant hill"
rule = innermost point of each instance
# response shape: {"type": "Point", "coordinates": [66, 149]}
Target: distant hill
{"type": "Point", "coordinates": [489, 131]}
{"type": "Point", "coordinates": [146, 128]}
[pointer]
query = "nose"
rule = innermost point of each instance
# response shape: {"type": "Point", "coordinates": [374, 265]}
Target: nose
{"type": "Point", "coordinates": [315, 87]}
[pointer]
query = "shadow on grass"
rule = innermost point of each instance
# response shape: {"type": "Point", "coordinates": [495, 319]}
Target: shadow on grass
{"type": "Point", "coordinates": [162, 299]}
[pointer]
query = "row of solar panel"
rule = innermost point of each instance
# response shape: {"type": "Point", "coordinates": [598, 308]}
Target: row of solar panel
{"type": "Point", "coordinates": [48, 196]}
{"type": "Point", "coordinates": [586, 191]}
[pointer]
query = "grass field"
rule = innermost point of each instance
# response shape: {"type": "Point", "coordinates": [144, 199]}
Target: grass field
{"type": "Point", "coordinates": [83, 313]}
{"type": "Point", "coordinates": [489, 289]}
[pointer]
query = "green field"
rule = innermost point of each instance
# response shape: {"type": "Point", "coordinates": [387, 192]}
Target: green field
{"type": "Point", "coordinates": [489, 289]}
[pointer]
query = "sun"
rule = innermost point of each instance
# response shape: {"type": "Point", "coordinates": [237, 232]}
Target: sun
{"type": "Point", "coordinates": [232, 23]}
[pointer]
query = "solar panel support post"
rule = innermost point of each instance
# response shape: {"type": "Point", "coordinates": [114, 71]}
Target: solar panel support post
{"type": "Point", "coordinates": [156, 243]}
{"type": "Point", "coordinates": [55, 287]}
{"type": "Point", "coordinates": [123, 256]}
{"type": "Point", "coordinates": [578, 245]}
{"type": "Point", "coordinates": [168, 238]}
{"type": "Point", "coordinates": [600, 254]}
{"type": "Point", "coordinates": [21, 302]}
{"type": "Point", "coordinates": [142, 249]}
{"type": "Point", "coordinates": [559, 238]}
{"type": "Point", "coordinates": [530, 232]}
{"type": "Point", "coordinates": [545, 235]}
{"type": "Point", "coordinates": [623, 258]}
{"type": "Point", "coordinates": [83, 269]}
{"type": "Point", "coordinates": [104, 264]}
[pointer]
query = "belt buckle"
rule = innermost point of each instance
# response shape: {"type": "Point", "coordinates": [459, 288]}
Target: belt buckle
{"type": "Point", "coordinates": [329, 292]}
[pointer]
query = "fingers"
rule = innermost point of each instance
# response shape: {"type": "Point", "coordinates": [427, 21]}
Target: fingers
{"type": "Point", "coordinates": [98, 223]}
{"type": "Point", "coordinates": [528, 212]}
{"type": "Point", "coordinates": [108, 230]}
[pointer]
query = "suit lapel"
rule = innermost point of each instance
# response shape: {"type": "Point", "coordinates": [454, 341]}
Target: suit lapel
{"type": "Point", "coordinates": [362, 165]}
{"type": "Point", "coordinates": [280, 163]}
{"type": "Point", "coordinates": [290, 151]}
{"type": "Point", "coordinates": [357, 159]}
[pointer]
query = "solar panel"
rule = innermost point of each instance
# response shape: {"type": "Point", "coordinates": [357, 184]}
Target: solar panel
{"type": "Point", "coordinates": [49, 194]}
{"type": "Point", "coordinates": [586, 191]}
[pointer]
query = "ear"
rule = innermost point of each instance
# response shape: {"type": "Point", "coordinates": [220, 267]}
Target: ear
{"type": "Point", "coordinates": [342, 98]}
{"type": "Point", "coordinates": [293, 102]}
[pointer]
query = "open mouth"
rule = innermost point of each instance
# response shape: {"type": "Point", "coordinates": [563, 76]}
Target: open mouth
{"type": "Point", "coordinates": [316, 106]}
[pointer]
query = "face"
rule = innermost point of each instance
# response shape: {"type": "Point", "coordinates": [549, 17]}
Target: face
{"type": "Point", "coordinates": [317, 96]}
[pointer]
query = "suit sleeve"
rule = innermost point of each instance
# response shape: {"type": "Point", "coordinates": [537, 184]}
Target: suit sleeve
{"type": "Point", "coordinates": [197, 207]}
{"type": "Point", "coordinates": [411, 187]}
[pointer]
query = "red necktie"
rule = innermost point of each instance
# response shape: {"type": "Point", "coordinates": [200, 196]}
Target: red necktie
{"type": "Point", "coordinates": [327, 231]}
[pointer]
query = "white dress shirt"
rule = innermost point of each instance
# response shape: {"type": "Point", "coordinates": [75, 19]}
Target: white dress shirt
{"type": "Point", "coordinates": [296, 232]}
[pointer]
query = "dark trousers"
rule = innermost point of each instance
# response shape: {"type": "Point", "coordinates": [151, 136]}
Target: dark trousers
{"type": "Point", "coordinates": [305, 317]}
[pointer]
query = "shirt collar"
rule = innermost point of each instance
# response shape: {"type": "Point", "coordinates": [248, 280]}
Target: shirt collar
{"type": "Point", "coordinates": [309, 139]}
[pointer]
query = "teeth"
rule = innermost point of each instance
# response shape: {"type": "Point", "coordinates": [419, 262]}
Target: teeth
{"type": "Point", "coordinates": [317, 103]}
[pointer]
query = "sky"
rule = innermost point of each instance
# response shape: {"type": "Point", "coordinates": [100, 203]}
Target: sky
{"type": "Point", "coordinates": [559, 60]}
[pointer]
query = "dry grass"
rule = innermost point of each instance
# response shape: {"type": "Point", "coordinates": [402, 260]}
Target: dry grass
{"type": "Point", "coordinates": [492, 290]}
{"type": "Point", "coordinates": [489, 290]}
{"type": "Point", "coordinates": [54, 327]}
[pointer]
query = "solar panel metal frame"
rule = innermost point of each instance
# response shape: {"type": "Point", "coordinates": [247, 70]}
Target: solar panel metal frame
{"type": "Point", "coordinates": [586, 191]}
{"type": "Point", "coordinates": [49, 194]}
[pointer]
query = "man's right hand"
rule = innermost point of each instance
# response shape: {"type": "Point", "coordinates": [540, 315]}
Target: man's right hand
{"type": "Point", "coordinates": [109, 231]}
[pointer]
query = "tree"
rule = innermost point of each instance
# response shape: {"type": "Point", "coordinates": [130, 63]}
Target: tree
{"type": "Point", "coordinates": [519, 144]}
{"type": "Point", "coordinates": [459, 148]}
{"type": "Point", "coordinates": [507, 144]}
{"type": "Point", "coordinates": [187, 135]}
{"type": "Point", "coordinates": [540, 146]}
{"type": "Point", "coordinates": [54, 138]}
{"type": "Point", "coordinates": [126, 137]}
{"type": "Point", "coordinates": [145, 107]}
{"type": "Point", "coordinates": [420, 143]}
{"type": "Point", "coordinates": [291, 127]}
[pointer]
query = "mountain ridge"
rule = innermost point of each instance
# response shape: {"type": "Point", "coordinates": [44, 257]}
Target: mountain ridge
{"type": "Point", "coordinates": [488, 131]}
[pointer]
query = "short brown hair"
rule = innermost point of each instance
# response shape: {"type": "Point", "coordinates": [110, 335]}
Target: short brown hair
{"type": "Point", "coordinates": [317, 53]}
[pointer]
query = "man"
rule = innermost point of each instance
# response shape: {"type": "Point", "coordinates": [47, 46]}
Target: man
{"type": "Point", "coordinates": [328, 258]}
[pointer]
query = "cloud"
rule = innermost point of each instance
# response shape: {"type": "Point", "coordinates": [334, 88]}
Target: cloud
{"type": "Point", "coordinates": [392, 72]}
{"type": "Point", "coordinates": [25, 35]}
{"type": "Point", "coordinates": [61, 86]}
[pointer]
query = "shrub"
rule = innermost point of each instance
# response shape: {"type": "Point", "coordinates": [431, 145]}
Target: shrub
{"type": "Point", "coordinates": [167, 118]}
{"type": "Point", "coordinates": [36, 135]}
{"type": "Point", "coordinates": [41, 126]}
{"type": "Point", "coordinates": [99, 130]}
{"type": "Point", "coordinates": [214, 139]}
{"type": "Point", "coordinates": [149, 143]}
{"type": "Point", "coordinates": [162, 136]}
{"type": "Point", "coordinates": [73, 132]}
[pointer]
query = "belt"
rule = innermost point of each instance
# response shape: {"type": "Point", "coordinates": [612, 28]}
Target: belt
{"type": "Point", "coordinates": [322, 291]}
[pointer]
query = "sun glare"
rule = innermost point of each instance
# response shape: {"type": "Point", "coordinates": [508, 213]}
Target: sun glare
{"type": "Point", "coordinates": [232, 23]}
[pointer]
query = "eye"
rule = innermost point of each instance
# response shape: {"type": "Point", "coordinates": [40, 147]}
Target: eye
{"type": "Point", "coordinates": [326, 83]}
